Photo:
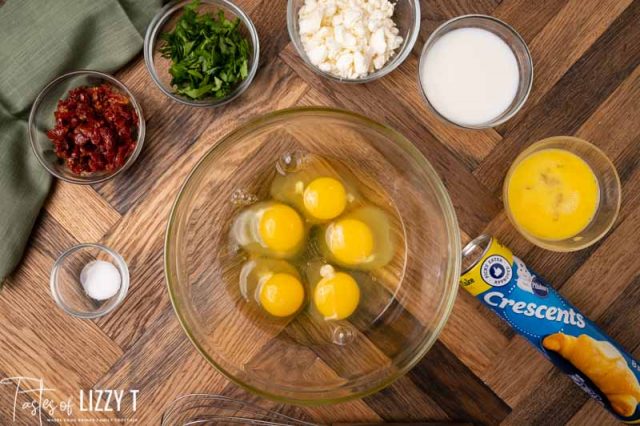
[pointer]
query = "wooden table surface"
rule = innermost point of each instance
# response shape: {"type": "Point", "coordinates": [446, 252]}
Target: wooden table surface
{"type": "Point", "coordinates": [587, 83]}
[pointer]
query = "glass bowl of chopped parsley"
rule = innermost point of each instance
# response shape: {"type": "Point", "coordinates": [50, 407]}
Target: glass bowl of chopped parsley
{"type": "Point", "coordinates": [202, 53]}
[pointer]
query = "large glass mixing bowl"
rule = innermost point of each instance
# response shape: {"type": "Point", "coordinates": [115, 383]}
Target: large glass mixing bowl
{"type": "Point", "coordinates": [300, 360]}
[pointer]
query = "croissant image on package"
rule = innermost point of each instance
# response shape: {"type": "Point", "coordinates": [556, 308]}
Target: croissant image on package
{"type": "Point", "coordinates": [603, 364]}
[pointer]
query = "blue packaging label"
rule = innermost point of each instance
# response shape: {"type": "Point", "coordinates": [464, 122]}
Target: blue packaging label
{"type": "Point", "coordinates": [595, 362]}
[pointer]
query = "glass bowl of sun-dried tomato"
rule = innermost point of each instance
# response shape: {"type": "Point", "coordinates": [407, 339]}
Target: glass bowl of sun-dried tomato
{"type": "Point", "coordinates": [86, 127]}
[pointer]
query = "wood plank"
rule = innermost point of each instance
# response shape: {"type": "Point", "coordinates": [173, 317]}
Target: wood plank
{"type": "Point", "coordinates": [473, 334]}
{"type": "Point", "coordinates": [592, 413]}
{"type": "Point", "coordinates": [557, 389]}
{"type": "Point", "coordinates": [298, 413]}
{"type": "Point", "coordinates": [435, 12]}
{"type": "Point", "coordinates": [612, 127]}
{"type": "Point", "coordinates": [458, 391]}
{"type": "Point", "coordinates": [18, 409]}
{"type": "Point", "coordinates": [404, 402]}
{"type": "Point", "coordinates": [81, 211]}
{"type": "Point", "coordinates": [529, 18]}
{"type": "Point", "coordinates": [573, 30]}
{"type": "Point", "coordinates": [162, 365]}
{"type": "Point", "coordinates": [51, 238]}
{"type": "Point", "coordinates": [346, 412]}
{"type": "Point", "coordinates": [517, 371]}
{"type": "Point", "coordinates": [144, 303]}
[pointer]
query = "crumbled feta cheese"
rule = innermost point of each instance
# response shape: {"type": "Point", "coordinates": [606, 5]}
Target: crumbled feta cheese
{"type": "Point", "coordinates": [317, 54]}
{"type": "Point", "coordinates": [348, 38]}
{"type": "Point", "coordinates": [311, 23]}
{"type": "Point", "coordinates": [377, 42]}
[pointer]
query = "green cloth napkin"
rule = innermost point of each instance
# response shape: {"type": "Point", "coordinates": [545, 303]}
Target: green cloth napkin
{"type": "Point", "coordinates": [39, 40]}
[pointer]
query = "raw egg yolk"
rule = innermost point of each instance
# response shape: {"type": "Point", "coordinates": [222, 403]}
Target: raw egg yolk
{"type": "Point", "coordinates": [281, 228]}
{"type": "Point", "coordinates": [350, 241]}
{"type": "Point", "coordinates": [325, 198]}
{"type": "Point", "coordinates": [281, 295]}
{"type": "Point", "coordinates": [337, 296]}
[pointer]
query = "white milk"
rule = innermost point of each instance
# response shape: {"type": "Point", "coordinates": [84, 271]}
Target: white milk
{"type": "Point", "coordinates": [470, 76]}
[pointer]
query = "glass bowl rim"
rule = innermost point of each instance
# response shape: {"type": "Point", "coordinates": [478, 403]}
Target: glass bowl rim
{"type": "Point", "coordinates": [122, 292]}
{"type": "Point", "coordinates": [548, 244]}
{"type": "Point", "coordinates": [390, 66]}
{"type": "Point", "coordinates": [492, 123]}
{"type": "Point", "coordinates": [452, 272]}
{"type": "Point", "coordinates": [151, 35]}
{"type": "Point", "coordinates": [112, 80]}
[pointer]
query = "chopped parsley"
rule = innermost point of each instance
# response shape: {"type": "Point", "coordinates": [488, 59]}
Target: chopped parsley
{"type": "Point", "coordinates": [209, 56]}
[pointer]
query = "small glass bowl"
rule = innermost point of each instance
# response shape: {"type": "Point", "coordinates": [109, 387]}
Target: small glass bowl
{"type": "Point", "coordinates": [407, 18]}
{"type": "Point", "coordinates": [165, 21]}
{"type": "Point", "coordinates": [67, 289]}
{"type": "Point", "coordinates": [509, 36]}
{"type": "Point", "coordinates": [608, 182]}
{"type": "Point", "coordinates": [42, 118]}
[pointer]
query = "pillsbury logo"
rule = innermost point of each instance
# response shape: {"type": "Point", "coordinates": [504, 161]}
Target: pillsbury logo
{"type": "Point", "coordinates": [539, 288]}
{"type": "Point", "coordinates": [496, 271]}
{"type": "Point", "coordinates": [527, 281]}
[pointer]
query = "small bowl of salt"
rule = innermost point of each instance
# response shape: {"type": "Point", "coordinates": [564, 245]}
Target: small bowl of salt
{"type": "Point", "coordinates": [89, 280]}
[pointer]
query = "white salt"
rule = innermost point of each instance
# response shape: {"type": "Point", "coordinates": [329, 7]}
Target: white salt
{"type": "Point", "coordinates": [100, 280]}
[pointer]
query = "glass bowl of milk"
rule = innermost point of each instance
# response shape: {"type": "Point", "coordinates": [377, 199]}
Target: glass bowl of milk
{"type": "Point", "coordinates": [475, 71]}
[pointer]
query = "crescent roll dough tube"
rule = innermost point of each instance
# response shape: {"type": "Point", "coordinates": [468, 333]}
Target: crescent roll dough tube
{"type": "Point", "coordinates": [593, 360]}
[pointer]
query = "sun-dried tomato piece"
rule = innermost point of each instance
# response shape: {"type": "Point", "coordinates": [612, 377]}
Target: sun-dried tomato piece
{"type": "Point", "coordinates": [96, 129]}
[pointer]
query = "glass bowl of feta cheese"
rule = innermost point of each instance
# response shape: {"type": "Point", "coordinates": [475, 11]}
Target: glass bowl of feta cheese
{"type": "Point", "coordinates": [353, 41]}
